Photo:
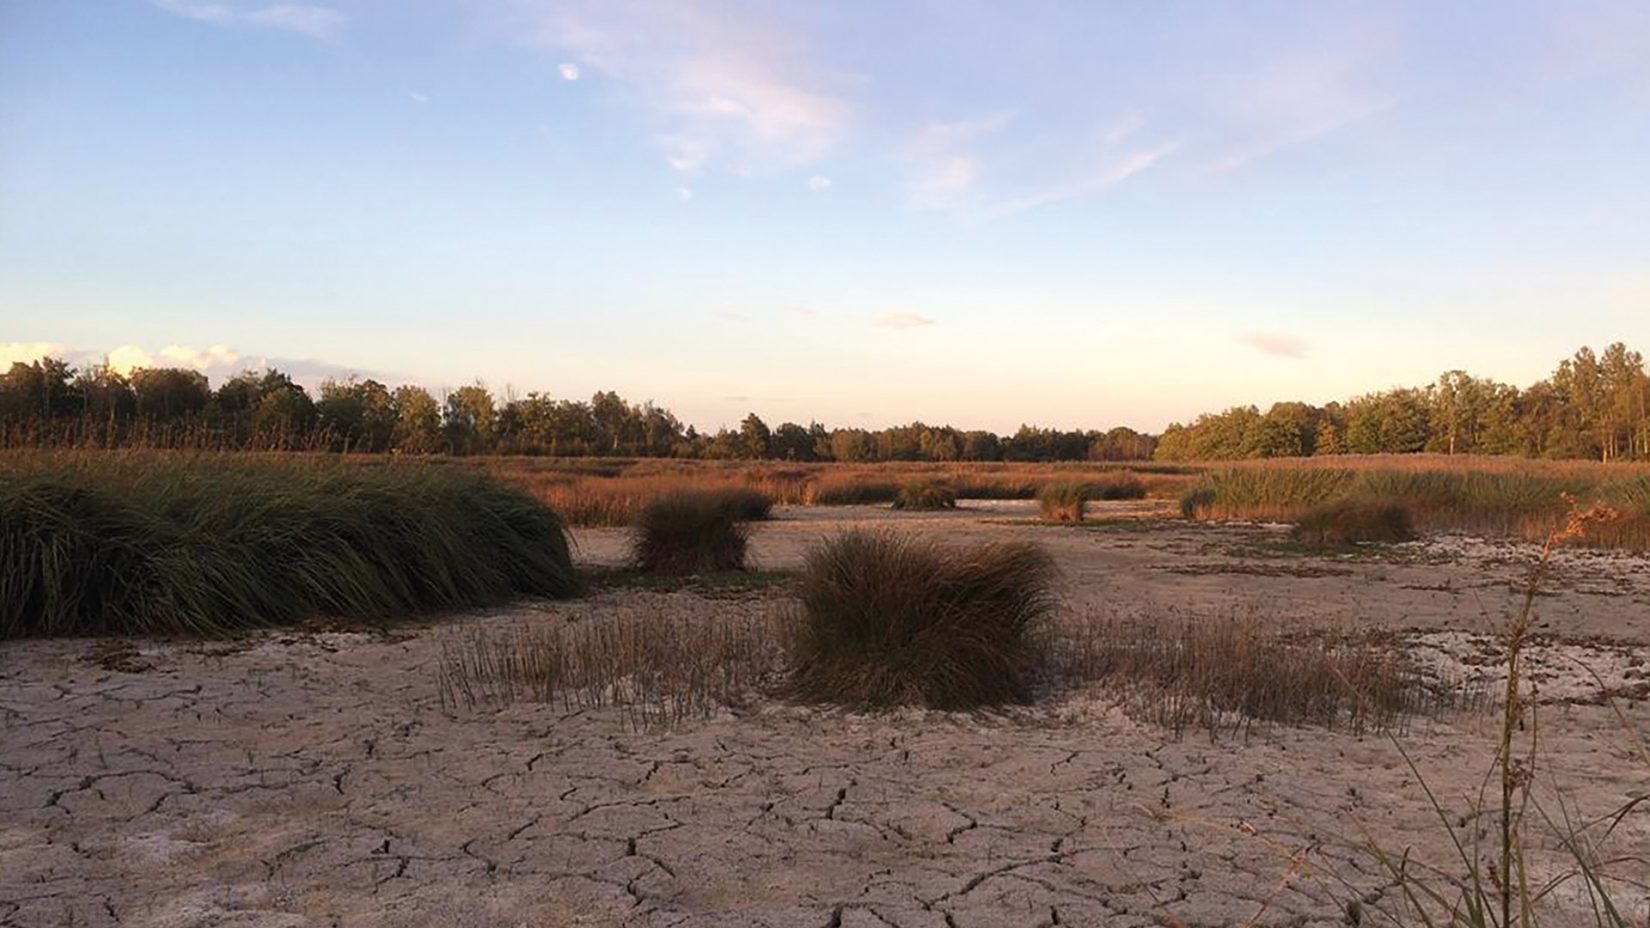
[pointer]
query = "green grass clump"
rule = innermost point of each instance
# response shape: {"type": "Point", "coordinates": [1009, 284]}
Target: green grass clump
{"type": "Point", "coordinates": [1351, 522]}
{"type": "Point", "coordinates": [690, 532]}
{"type": "Point", "coordinates": [152, 543]}
{"type": "Point", "coordinates": [1063, 502]}
{"type": "Point", "coordinates": [890, 620]}
{"type": "Point", "coordinates": [925, 496]}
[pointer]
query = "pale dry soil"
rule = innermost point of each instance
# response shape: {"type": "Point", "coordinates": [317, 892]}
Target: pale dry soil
{"type": "Point", "coordinates": [298, 779]}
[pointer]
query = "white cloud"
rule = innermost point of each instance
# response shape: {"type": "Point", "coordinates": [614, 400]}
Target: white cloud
{"type": "Point", "coordinates": [1275, 344]}
{"type": "Point", "coordinates": [569, 71]}
{"type": "Point", "coordinates": [27, 353]}
{"type": "Point", "coordinates": [724, 87]}
{"type": "Point", "coordinates": [417, 97]}
{"type": "Point", "coordinates": [819, 182]}
{"type": "Point", "coordinates": [901, 320]}
{"type": "Point", "coordinates": [684, 193]}
{"type": "Point", "coordinates": [317, 21]}
{"type": "Point", "coordinates": [128, 358]}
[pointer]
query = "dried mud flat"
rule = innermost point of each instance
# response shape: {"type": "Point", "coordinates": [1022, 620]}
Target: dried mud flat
{"type": "Point", "coordinates": [316, 779]}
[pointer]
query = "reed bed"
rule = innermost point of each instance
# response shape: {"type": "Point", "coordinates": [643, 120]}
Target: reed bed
{"type": "Point", "coordinates": [613, 491]}
{"type": "Point", "coordinates": [204, 544]}
{"type": "Point", "coordinates": [1496, 501]}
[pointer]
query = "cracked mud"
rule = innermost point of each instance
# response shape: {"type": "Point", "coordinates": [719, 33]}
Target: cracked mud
{"type": "Point", "coordinates": [315, 779]}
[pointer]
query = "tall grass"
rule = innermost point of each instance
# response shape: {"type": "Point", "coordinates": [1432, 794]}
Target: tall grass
{"type": "Point", "coordinates": [890, 619]}
{"type": "Point", "coordinates": [176, 543]}
{"type": "Point", "coordinates": [1518, 503]}
{"type": "Point", "coordinates": [613, 491]}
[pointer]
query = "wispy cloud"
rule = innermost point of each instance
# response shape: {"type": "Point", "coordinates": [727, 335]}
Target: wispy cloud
{"type": "Point", "coordinates": [1109, 175]}
{"type": "Point", "coordinates": [1293, 101]}
{"type": "Point", "coordinates": [568, 70]}
{"type": "Point", "coordinates": [1275, 344]}
{"type": "Point", "coordinates": [944, 166]}
{"type": "Point", "coordinates": [417, 97]}
{"type": "Point", "coordinates": [318, 21]}
{"type": "Point", "coordinates": [819, 183]}
{"type": "Point", "coordinates": [901, 320]}
{"type": "Point", "coordinates": [726, 88]}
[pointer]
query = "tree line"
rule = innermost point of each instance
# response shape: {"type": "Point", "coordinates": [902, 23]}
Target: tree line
{"type": "Point", "coordinates": [1595, 405]}
{"type": "Point", "coordinates": [49, 402]}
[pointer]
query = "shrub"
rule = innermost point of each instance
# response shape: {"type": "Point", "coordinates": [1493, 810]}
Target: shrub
{"type": "Point", "coordinates": [1063, 502]}
{"type": "Point", "coordinates": [1351, 522]}
{"type": "Point", "coordinates": [103, 543]}
{"type": "Point", "coordinates": [893, 620]}
{"type": "Point", "coordinates": [925, 496]}
{"type": "Point", "coordinates": [690, 532]}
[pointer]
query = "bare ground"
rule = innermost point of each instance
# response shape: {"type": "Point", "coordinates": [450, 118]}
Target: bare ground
{"type": "Point", "coordinates": [315, 779]}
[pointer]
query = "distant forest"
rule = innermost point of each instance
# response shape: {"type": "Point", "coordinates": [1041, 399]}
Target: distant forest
{"type": "Point", "coordinates": [1593, 406]}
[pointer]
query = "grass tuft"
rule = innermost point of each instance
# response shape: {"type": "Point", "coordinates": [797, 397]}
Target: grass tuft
{"type": "Point", "coordinates": [894, 620]}
{"type": "Point", "coordinates": [148, 543]}
{"type": "Point", "coordinates": [925, 496]}
{"type": "Point", "coordinates": [1352, 522]}
{"type": "Point", "coordinates": [691, 532]}
{"type": "Point", "coordinates": [1063, 502]}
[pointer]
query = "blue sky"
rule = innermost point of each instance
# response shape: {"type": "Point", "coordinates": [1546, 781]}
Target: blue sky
{"type": "Point", "coordinates": [1075, 214]}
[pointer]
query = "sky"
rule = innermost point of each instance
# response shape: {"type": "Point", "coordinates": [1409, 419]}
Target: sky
{"type": "Point", "coordinates": [1078, 214]}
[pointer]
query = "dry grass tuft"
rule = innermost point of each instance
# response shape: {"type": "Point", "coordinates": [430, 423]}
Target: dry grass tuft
{"type": "Point", "coordinates": [893, 620]}
{"type": "Point", "coordinates": [1063, 502]}
{"type": "Point", "coordinates": [692, 532]}
{"type": "Point", "coordinates": [656, 668]}
{"type": "Point", "coordinates": [925, 497]}
{"type": "Point", "coordinates": [1230, 674]}
{"type": "Point", "coordinates": [1352, 522]}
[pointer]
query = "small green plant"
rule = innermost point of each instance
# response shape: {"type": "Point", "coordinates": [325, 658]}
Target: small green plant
{"type": "Point", "coordinates": [889, 620]}
{"type": "Point", "coordinates": [690, 532]}
{"type": "Point", "coordinates": [925, 496]}
{"type": "Point", "coordinates": [1351, 522]}
{"type": "Point", "coordinates": [1063, 502]}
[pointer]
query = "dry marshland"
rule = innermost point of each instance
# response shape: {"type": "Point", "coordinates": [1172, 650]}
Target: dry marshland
{"type": "Point", "coordinates": [1189, 753]}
